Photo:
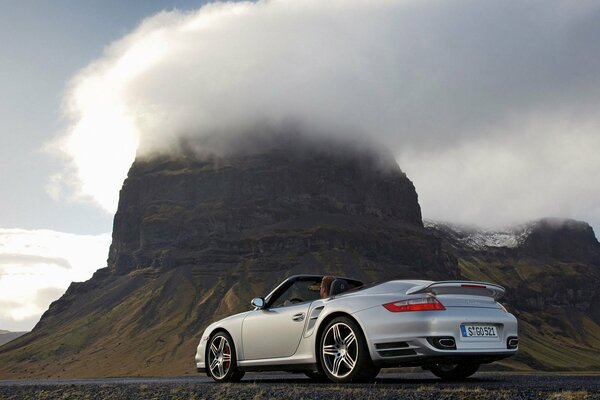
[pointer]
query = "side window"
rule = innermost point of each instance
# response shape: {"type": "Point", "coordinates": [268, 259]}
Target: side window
{"type": "Point", "coordinates": [300, 291]}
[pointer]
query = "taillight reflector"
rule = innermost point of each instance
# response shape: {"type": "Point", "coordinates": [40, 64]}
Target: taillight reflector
{"type": "Point", "coordinates": [474, 286]}
{"type": "Point", "coordinates": [423, 304]}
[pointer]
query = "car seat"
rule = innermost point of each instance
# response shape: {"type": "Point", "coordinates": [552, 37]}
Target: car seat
{"type": "Point", "coordinates": [338, 286]}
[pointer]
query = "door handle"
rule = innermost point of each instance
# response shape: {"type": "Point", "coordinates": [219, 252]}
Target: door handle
{"type": "Point", "coordinates": [298, 317]}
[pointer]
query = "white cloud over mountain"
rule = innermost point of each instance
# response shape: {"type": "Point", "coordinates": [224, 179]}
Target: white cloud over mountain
{"type": "Point", "coordinates": [490, 107]}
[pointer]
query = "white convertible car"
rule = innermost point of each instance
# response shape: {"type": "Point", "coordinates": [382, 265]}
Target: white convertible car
{"type": "Point", "coordinates": [340, 330]}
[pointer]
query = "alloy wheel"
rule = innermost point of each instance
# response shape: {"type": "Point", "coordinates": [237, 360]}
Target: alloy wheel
{"type": "Point", "coordinates": [340, 350]}
{"type": "Point", "coordinates": [219, 357]}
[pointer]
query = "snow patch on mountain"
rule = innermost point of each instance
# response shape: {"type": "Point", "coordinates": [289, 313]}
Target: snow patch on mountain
{"type": "Point", "coordinates": [480, 239]}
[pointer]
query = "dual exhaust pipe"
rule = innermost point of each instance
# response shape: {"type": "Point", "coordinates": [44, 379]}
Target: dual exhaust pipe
{"type": "Point", "coordinates": [448, 342]}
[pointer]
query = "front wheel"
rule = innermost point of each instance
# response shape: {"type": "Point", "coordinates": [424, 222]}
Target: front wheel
{"type": "Point", "coordinates": [454, 372]}
{"type": "Point", "coordinates": [221, 359]}
{"type": "Point", "coordinates": [343, 353]}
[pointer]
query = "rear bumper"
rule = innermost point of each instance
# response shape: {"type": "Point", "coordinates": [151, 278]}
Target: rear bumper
{"type": "Point", "coordinates": [401, 339]}
{"type": "Point", "coordinates": [424, 357]}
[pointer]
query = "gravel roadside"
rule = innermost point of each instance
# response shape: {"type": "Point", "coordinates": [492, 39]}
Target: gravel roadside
{"type": "Point", "coordinates": [276, 386]}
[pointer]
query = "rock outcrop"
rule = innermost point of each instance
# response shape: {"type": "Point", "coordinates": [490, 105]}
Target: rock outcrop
{"type": "Point", "coordinates": [565, 240]}
{"type": "Point", "coordinates": [280, 202]}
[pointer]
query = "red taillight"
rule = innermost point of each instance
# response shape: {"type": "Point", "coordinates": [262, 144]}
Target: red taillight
{"type": "Point", "coordinates": [424, 304]}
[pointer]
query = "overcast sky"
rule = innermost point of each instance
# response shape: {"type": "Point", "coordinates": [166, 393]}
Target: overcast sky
{"type": "Point", "coordinates": [490, 107]}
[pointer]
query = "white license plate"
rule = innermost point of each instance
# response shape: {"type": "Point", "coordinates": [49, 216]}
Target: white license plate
{"type": "Point", "coordinates": [478, 330]}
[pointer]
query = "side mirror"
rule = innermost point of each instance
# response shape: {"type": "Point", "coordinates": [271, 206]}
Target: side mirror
{"type": "Point", "coordinates": [258, 302]}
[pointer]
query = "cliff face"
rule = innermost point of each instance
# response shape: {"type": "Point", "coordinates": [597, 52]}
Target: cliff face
{"type": "Point", "coordinates": [195, 238]}
{"type": "Point", "coordinates": [283, 203]}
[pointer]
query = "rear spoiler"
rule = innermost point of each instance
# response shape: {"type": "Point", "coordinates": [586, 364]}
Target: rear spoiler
{"type": "Point", "coordinates": [460, 287]}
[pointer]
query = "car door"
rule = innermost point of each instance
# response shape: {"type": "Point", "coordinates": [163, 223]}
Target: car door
{"type": "Point", "coordinates": [275, 332]}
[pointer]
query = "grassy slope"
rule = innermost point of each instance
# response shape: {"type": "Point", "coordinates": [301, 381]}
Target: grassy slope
{"type": "Point", "coordinates": [154, 328]}
{"type": "Point", "coordinates": [551, 337]}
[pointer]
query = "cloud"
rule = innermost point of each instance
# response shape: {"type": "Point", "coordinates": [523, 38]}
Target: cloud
{"type": "Point", "coordinates": [37, 266]}
{"type": "Point", "coordinates": [500, 180]}
{"type": "Point", "coordinates": [24, 259]}
{"type": "Point", "coordinates": [442, 84]}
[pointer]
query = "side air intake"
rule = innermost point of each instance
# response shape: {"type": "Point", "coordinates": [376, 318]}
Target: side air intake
{"type": "Point", "coordinates": [394, 349]}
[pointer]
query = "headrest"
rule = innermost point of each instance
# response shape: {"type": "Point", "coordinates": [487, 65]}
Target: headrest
{"type": "Point", "coordinates": [338, 286]}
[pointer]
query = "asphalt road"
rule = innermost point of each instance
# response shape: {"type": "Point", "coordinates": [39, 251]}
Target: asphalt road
{"type": "Point", "coordinates": [295, 386]}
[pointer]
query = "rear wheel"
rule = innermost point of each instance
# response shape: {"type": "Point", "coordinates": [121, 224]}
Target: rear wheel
{"type": "Point", "coordinates": [343, 353]}
{"type": "Point", "coordinates": [221, 359]}
{"type": "Point", "coordinates": [454, 372]}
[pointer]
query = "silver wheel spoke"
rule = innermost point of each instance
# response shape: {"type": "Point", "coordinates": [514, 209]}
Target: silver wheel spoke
{"type": "Point", "coordinates": [226, 357]}
{"type": "Point", "coordinates": [330, 350]}
{"type": "Point", "coordinates": [336, 334]}
{"type": "Point", "coordinates": [336, 365]}
{"type": "Point", "coordinates": [221, 373]}
{"type": "Point", "coordinates": [222, 345]}
{"type": "Point", "coordinates": [350, 339]}
{"type": "Point", "coordinates": [213, 364]}
{"type": "Point", "coordinates": [349, 361]}
{"type": "Point", "coordinates": [213, 349]}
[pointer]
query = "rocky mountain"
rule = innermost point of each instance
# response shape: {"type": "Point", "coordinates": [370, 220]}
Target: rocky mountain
{"type": "Point", "coordinates": [7, 336]}
{"type": "Point", "coordinates": [196, 237]}
{"type": "Point", "coordinates": [563, 240]}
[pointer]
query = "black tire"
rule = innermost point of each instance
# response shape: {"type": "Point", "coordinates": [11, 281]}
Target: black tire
{"type": "Point", "coordinates": [350, 354]}
{"type": "Point", "coordinates": [316, 376]}
{"type": "Point", "coordinates": [454, 372]}
{"type": "Point", "coordinates": [221, 360]}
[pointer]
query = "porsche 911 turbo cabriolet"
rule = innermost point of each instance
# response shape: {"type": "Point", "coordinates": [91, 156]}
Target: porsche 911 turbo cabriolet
{"type": "Point", "coordinates": [338, 329]}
